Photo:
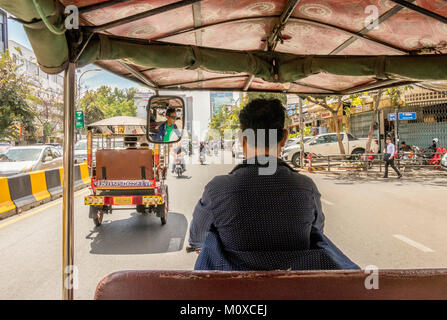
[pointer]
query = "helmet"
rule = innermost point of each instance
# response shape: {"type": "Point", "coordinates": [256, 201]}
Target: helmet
{"type": "Point", "coordinates": [435, 140]}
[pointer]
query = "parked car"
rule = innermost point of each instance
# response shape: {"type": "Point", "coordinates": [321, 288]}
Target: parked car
{"type": "Point", "coordinates": [4, 146]}
{"type": "Point", "coordinates": [291, 141]}
{"type": "Point", "coordinates": [292, 146]}
{"type": "Point", "coordinates": [327, 144]}
{"type": "Point", "coordinates": [444, 162]}
{"type": "Point", "coordinates": [30, 158]}
{"type": "Point", "coordinates": [80, 148]}
{"type": "Point", "coordinates": [56, 145]}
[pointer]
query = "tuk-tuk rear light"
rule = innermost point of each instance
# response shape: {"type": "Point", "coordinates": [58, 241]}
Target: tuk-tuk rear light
{"type": "Point", "coordinates": [152, 200]}
{"type": "Point", "coordinates": [92, 200]}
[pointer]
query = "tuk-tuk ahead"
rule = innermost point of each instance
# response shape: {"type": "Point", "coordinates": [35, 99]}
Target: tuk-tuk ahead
{"type": "Point", "coordinates": [128, 172]}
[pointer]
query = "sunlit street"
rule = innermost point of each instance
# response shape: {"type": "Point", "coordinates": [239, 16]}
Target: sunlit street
{"type": "Point", "coordinates": [390, 224]}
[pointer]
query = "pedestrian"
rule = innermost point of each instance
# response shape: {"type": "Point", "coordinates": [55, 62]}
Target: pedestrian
{"type": "Point", "coordinates": [389, 158]}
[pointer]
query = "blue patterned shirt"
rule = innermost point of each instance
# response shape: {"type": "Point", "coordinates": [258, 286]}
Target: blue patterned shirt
{"type": "Point", "coordinates": [252, 212]}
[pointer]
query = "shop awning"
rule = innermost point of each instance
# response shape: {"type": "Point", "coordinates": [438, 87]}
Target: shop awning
{"type": "Point", "coordinates": [307, 47]}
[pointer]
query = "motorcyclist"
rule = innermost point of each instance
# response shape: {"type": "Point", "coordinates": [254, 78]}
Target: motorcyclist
{"type": "Point", "coordinates": [405, 148]}
{"type": "Point", "coordinates": [202, 147]}
{"type": "Point", "coordinates": [202, 150]}
{"type": "Point", "coordinates": [179, 152]}
{"type": "Point", "coordinates": [433, 148]}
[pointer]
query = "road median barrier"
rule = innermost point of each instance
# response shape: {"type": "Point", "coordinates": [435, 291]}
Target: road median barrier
{"type": "Point", "coordinates": [7, 207]}
{"type": "Point", "coordinates": [54, 182]}
{"type": "Point", "coordinates": [39, 186]}
{"type": "Point", "coordinates": [22, 192]}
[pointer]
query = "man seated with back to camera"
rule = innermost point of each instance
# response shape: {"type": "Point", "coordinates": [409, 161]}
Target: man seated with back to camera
{"type": "Point", "coordinates": [252, 219]}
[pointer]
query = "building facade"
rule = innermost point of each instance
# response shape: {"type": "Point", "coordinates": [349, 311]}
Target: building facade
{"type": "Point", "coordinates": [3, 31]}
{"type": "Point", "coordinates": [47, 92]}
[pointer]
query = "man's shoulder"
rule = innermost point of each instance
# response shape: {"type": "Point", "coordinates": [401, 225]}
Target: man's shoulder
{"type": "Point", "coordinates": [284, 175]}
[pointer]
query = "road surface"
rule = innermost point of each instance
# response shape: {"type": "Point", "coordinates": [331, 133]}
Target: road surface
{"type": "Point", "coordinates": [387, 223]}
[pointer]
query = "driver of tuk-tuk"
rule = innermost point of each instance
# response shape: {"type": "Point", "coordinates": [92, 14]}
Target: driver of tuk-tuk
{"type": "Point", "coordinates": [165, 130]}
{"type": "Point", "coordinates": [249, 221]}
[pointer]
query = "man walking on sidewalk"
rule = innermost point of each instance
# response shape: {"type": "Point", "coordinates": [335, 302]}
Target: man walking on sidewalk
{"type": "Point", "coordinates": [389, 158]}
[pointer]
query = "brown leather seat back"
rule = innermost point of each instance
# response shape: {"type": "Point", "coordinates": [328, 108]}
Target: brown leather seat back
{"type": "Point", "coordinates": [272, 285]}
{"type": "Point", "coordinates": [128, 164]}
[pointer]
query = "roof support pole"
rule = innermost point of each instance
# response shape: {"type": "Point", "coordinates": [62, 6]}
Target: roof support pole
{"type": "Point", "coordinates": [421, 10]}
{"type": "Point", "coordinates": [68, 268]}
{"type": "Point", "coordinates": [274, 37]}
{"type": "Point", "coordinates": [197, 16]}
{"type": "Point", "coordinates": [138, 75]}
{"type": "Point", "coordinates": [365, 30]}
{"type": "Point", "coordinates": [141, 15]}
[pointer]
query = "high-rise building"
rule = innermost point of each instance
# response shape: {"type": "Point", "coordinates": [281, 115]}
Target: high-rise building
{"type": "Point", "coordinates": [3, 31]}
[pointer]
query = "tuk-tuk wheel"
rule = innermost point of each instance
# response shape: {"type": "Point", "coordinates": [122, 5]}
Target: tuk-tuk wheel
{"type": "Point", "coordinates": [97, 215]}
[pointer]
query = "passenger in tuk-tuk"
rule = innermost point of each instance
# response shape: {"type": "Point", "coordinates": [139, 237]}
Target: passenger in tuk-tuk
{"type": "Point", "coordinates": [249, 221]}
{"type": "Point", "coordinates": [165, 130]}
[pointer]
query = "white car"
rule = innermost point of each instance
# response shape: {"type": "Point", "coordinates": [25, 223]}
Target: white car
{"type": "Point", "coordinates": [327, 144]}
{"type": "Point", "coordinates": [30, 158]}
{"type": "Point", "coordinates": [444, 162]}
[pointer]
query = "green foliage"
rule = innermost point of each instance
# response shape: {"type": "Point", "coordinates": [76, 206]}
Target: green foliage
{"type": "Point", "coordinates": [307, 130]}
{"type": "Point", "coordinates": [106, 102]}
{"type": "Point", "coordinates": [227, 118]}
{"type": "Point", "coordinates": [395, 94]}
{"type": "Point", "coordinates": [14, 91]}
{"type": "Point", "coordinates": [265, 95]}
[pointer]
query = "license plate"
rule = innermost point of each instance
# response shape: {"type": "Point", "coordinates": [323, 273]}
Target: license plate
{"type": "Point", "coordinates": [122, 200]}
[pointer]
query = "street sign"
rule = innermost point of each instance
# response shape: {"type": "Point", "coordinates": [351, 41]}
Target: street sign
{"type": "Point", "coordinates": [407, 115]}
{"type": "Point", "coordinates": [391, 116]}
{"type": "Point", "coordinates": [402, 116]}
{"type": "Point", "coordinates": [79, 115]}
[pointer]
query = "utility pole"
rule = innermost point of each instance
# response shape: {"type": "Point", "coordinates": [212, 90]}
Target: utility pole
{"type": "Point", "coordinates": [300, 105]}
{"type": "Point", "coordinates": [396, 128]}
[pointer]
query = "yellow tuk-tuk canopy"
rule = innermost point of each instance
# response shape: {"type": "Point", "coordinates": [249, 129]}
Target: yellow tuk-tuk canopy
{"type": "Point", "coordinates": [307, 47]}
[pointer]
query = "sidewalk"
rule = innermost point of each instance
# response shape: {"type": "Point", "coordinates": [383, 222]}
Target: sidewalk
{"type": "Point", "coordinates": [376, 171]}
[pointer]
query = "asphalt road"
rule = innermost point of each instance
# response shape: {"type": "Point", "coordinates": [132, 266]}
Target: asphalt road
{"type": "Point", "coordinates": [387, 223]}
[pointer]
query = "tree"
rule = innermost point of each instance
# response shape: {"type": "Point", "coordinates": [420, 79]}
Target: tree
{"type": "Point", "coordinates": [266, 95]}
{"type": "Point", "coordinates": [334, 112]}
{"type": "Point", "coordinates": [14, 92]}
{"type": "Point", "coordinates": [104, 103]}
{"type": "Point", "coordinates": [373, 120]}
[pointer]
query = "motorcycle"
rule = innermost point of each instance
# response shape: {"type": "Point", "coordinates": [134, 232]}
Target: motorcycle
{"type": "Point", "coordinates": [178, 168]}
{"type": "Point", "coordinates": [202, 157]}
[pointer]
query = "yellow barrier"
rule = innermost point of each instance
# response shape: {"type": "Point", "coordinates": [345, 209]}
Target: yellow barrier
{"type": "Point", "coordinates": [85, 176]}
{"type": "Point", "coordinates": [39, 185]}
{"type": "Point", "coordinates": [6, 203]}
{"type": "Point", "coordinates": [61, 174]}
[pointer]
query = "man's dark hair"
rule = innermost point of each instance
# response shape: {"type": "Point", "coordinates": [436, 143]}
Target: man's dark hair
{"type": "Point", "coordinates": [170, 111]}
{"type": "Point", "coordinates": [263, 114]}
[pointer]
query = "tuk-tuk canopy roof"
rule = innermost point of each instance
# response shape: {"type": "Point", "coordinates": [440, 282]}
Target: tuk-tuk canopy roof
{"type": "Point", "coordinates": [308, 47]}
{"type": "Point", "coordinates": [121, 125]}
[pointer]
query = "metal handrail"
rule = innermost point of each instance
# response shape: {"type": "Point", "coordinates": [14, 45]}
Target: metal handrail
{"type": "Point", "coordinates": [379, 158]}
